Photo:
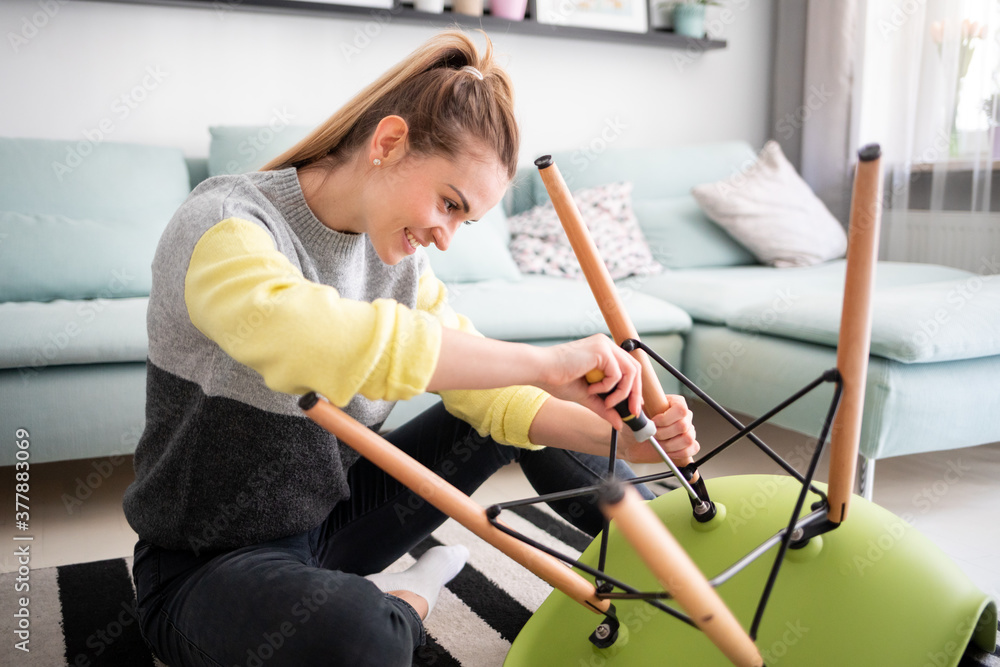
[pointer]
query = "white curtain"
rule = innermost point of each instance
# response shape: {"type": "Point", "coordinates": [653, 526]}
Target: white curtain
{"type": "Point", "coordinates": [829, 146]}
{"type": "Point", "coordinates": [927, 91]}
{"type": "Point", "coordinates": [921, 78]}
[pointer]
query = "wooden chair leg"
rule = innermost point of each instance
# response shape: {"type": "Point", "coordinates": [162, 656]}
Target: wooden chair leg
{"type": "Point", "coordinates": [854, 341]}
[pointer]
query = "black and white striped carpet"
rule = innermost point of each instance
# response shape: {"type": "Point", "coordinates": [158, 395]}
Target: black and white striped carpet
{"type": "Point", "coordinates": [84, 615]}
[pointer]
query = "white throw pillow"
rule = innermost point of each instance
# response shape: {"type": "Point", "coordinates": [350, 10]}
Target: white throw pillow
{"type": "Point", "coordinates": [771, 211]}
{"type": "Point", "coordinates": [540, 245]}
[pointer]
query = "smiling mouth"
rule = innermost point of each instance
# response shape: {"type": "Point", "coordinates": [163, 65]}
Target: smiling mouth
{"type": "Point", "coordinates": [414, 243]}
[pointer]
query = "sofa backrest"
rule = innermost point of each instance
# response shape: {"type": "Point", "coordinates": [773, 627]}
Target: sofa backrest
{"type": "Point", "coordinates": [238, 149]}
{"type": "Point", "coordinates": [679, 233]}
{"type": "Point", "coordinates": [654, 172]}
{"type": "Point", "coordinates": [197, 170]}
{"type": "Point", "coordinates": [81, 219]}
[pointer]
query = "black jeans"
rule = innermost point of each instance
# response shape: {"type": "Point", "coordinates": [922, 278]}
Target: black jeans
{"type": "Point", "coordinates": [303, 599]}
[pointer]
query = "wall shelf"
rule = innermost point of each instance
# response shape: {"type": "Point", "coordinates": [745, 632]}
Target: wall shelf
{"type": "Point", "coordinates": [405, 14]}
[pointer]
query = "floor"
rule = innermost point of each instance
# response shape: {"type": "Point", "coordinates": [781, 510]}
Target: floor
{"type": "Point", "coordinates": [951, 497]}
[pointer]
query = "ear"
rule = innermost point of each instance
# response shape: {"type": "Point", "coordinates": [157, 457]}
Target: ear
{"type": "Point", "coordinates": [388, 139]}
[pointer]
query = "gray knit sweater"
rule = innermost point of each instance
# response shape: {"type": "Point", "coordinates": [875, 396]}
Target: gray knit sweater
{"type": "Point", "coordinates": [224, 461]}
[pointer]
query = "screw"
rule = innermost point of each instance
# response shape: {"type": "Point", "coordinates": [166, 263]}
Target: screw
{"type": "Point", "coordinates": [603, 631]}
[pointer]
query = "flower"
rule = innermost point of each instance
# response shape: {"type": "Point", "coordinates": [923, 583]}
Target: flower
{"type": "Point", "coordinates": [971, 32]}
{"type": "Point", "coordinates": [937, 33]}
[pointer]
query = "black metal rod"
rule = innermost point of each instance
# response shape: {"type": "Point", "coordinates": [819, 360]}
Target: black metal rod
{"type": "Point", "coordinates": [656, 595]}
{"type": "Point", "coordinates": [589, 570]}
{"type": "Point", "coordinates": [722, 411]}
{"type": "Point", "coordinates": [581, 491]}
{"type": "Point", "coordinates": [763, 418]}
{"type": "Point", "coordinates": [550, 497]}
{"type": "Point", "coordinates": [800, 501]}
{"type": "Point", "coordinates": [612, 454]}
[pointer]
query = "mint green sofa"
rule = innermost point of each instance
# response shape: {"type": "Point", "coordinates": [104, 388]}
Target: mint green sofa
{"type": "Point", "coordinates": [72, 339]}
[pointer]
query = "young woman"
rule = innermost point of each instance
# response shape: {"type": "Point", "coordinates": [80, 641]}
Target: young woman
{"type": "Point", "coordinates": [261, 536]}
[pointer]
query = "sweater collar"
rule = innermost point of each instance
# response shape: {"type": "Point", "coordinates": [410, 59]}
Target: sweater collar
{"type": "Point", "coordinates": [291, 201]}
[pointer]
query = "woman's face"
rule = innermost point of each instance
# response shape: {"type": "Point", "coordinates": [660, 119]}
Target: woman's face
{"type": "Point", "coordinates": [422, 200]}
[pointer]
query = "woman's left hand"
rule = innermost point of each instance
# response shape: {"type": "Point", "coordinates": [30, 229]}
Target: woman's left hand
{"type": "Point", "coordinates": [674, 431]}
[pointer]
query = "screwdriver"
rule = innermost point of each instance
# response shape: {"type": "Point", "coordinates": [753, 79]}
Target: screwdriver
{"type": "Point", "coordinates": [643, 429]}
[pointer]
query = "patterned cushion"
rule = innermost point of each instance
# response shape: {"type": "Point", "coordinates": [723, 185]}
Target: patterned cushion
{"type": "Point", "coordinates": [540, 245]}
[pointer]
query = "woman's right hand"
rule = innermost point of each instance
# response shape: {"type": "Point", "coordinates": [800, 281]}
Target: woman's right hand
{"type": "Point", "coordinates": [565, 367]}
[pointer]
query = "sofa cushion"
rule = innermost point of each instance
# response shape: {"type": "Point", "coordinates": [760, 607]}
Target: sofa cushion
{"type": "Point", "coordinates": [39, 335]}
{"type": "Point", "coordinates": [681, 236]}
{"type": "Point", "coordinates": [540, 245]}
{"type": "Point", "coordinates": [942, 321]}
{"type": "Point", "coordinates": [84, 200]}
{"type": "Point", "coordinates": [121, 183]}
{"type": "Point", "coordinates": [477, 252]}
{"type": "Point", "coordinates": [773, 212]}
{"type": "Point", "coordinates": [908, 409]}
{"type": "Point", "coordinates": [544, 307]}
{"type": "Point", "coordinates": [715, 295]}
{"type": "Point", "coordinates": [237, 149]}
{"type": "Point", "coordinates": [48, 257]}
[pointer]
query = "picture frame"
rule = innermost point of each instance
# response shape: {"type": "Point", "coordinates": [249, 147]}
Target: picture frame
{"type": "Point", "coordinates": [621, 15]}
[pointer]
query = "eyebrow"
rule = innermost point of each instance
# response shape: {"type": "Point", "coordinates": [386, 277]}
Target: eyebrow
{"type": "Point", "coordinates": [465, 203]}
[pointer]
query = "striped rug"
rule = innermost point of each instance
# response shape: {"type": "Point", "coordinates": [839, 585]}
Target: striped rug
{"type": "Point", "coordinates": [84, 614]}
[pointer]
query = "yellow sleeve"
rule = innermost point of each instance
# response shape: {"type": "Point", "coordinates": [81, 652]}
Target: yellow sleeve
{"type": "Point", "coordinates": [300, 335]}
{"type": "Point", "coordinates": [504, 414]}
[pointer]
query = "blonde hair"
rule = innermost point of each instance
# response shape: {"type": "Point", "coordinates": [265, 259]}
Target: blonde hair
{"type": "Point", "coordinates": [444, 103]}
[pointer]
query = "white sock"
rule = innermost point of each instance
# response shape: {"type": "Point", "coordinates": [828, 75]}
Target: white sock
{"type": "Point", "coordinates": [427, 576]}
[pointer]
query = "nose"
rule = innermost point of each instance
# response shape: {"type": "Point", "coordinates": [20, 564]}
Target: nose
{"type": "Point", "coordinates": [443, 235]}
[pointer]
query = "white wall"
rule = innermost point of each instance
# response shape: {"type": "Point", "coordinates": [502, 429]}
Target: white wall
{"type": "Point", "coordinates": [162, 75]}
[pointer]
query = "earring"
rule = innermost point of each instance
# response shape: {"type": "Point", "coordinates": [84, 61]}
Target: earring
{"type": "Point", "coordinates": [376, 162]}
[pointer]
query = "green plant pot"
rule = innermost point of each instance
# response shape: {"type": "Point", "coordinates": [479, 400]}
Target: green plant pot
{"type": "Point", "coordinates": [689, 20]}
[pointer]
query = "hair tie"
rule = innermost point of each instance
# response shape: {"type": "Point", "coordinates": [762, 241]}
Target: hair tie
{"type": "Point", "coordinates": [472, 70]}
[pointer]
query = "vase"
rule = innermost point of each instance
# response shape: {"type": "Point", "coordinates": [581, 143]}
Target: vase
{"type": "Point", "coordinates": [433, 6]}
{"type": "Point", "coordinates": [512, 10]}
{"type": "Point", "coordinates": [689, 20]}
{"type": "Point", "coordinates": [467, 7]}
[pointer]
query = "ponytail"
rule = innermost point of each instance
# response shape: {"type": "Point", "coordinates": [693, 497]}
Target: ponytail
{"type": "Point", "coordinates": [447, 93]}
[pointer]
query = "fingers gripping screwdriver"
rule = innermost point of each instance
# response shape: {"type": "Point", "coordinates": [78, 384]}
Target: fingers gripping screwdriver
{"type": "Point", "coordinates": [641, 425]}
{"type": "Point", "coordinates": [644, 429]}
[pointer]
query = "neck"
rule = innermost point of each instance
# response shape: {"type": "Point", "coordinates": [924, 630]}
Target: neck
{"type": "Point", "coordinates": [332, 195]}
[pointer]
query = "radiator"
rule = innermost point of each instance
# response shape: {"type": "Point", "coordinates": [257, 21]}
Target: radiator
{"type": "Point", "coordinates": [962, 239]}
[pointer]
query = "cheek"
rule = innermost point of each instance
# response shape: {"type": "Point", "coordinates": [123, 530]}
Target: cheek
{"type": "Point", "coordinates": [387, 217]}
{"type": "Point", "coordinates": [420, 215]}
